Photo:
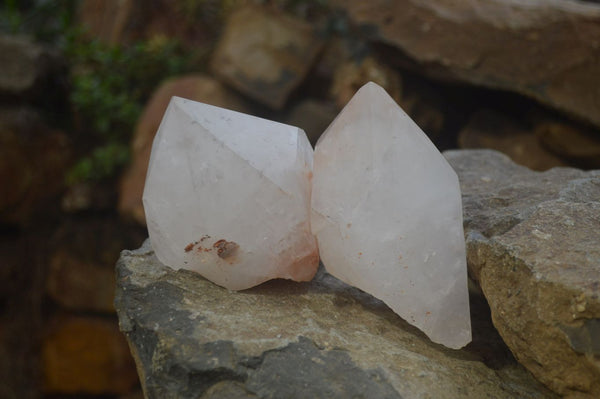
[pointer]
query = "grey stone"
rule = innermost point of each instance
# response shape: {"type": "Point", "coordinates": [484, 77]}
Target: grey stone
{"type": "Point", "coordinates": [533, 244]}
{"type": "Point", "coordinates": [323, 339]}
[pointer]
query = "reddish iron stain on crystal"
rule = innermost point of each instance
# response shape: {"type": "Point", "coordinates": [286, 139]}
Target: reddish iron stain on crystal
{"type": "Point", "coordinates": [225, 248]}
{"type": "Point", "coordinates": [283, 168]}
{"type": "Point", "coordinates": [191, 245]}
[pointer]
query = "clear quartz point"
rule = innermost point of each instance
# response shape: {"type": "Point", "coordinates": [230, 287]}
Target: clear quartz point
{"type": "Point", "coordinates": [228, 196]}
{"type": "Point", "coordinates": [387, 214]}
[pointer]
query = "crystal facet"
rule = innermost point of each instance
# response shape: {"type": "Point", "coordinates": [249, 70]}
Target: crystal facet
{"type": "Point", "coordinates": [388, 217]}
{"type": "Point", "coordinates": [228, 195]}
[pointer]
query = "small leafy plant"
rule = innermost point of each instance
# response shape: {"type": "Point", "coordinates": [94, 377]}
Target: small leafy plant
{"type": "Point", "coordinates": [109, 88]}
{"type": "Point", "coordinates": [109, 85]}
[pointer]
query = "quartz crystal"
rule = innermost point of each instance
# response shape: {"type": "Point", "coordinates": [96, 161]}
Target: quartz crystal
{"type": "Point", "coordinates": [386, 210]}
{"type": "Point", "coordinates": [228, 196]}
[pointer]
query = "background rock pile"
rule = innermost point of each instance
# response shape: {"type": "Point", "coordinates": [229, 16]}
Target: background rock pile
{"type": "Point", "coordinates": [77, 119]}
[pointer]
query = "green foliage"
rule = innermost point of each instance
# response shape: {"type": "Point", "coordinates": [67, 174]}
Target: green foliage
{"type": "Point", "coordinates": [45, 20]}
{"type": "Point", "coordinates": [109, 85]}
{"type": "Point", "coordinates": [100, 163]}
{"type": "Point", "coordinates": [109, 88]}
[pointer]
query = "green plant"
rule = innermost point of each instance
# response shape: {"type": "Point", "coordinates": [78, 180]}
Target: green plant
{"type": "Point", "coordinates": [45, 20]}
{"type": "Point", "coordinates": [109, 88]}
{"type": "Point", "coordinates": [100, 163]}
{"type": "Point", "coordinates": [109, 85]}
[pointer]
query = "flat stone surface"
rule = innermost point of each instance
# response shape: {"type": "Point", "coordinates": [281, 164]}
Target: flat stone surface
{"type": "Point", "coordinates": [322, 339]}
{"type": "Point", "coordinates": [545, 49]}
{"type": "Point", "coordinates": [533, 244]}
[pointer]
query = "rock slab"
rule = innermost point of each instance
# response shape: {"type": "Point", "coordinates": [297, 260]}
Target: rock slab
{"type": "Point", "coordinates": [323, 339]}
{"type": "Point", "coordinates": [533, 244]}
{"type": "Point", "coordinates": [545, 49]}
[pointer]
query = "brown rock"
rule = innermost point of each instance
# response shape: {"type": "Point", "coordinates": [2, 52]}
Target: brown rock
{"type": "Point", "coordinates": [580, 146]}
{"type": "Point", "coordinates": [86, 355]}
{"type": "Point", "coordinates": [194, 87]}
{"type": "Point", "coordinates": [106, 20]}
{"type": "Point", "coordinates": [351, 76]}
{"type": "Point", "coordinates": [313, 116]}
{"type": "Point", "coordinates": [336, 51]}
{"type": "Point", "coordinates": [547, 50]}
{"type": "Point", "coordinates": [265, 54]}
{"type": "Point", "coordinates": [192, 23]}
{"type": "Point", "coordinates": [533, 244]}
{"type": "Point", "coordinates": [25, 66]}
{"type": "Point", "coordinates": [137, 394]}
{"type": "Point", "coordinates": [420, 101]}
{"type": "Point", "coordinates": [23, 259]}
{"type": "Point", "coordinates": [81, 264]}
{"type": "Point", "coordinates": [33, 160]}
{"type": "Point", "coordinates": [425, 105]}
{"type": "Point", "coordinates": [489, 129]}
{"type": "Point", "coordinates": [76, 284]}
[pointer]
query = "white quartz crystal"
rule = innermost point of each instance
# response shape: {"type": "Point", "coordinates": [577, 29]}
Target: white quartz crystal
{"type": "Point", "coordinates": [388, 217]}
{"type": "Point", "coordinates": [228, 196]}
